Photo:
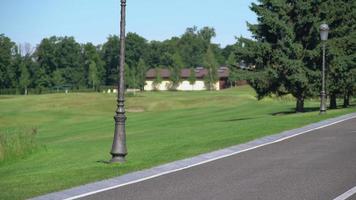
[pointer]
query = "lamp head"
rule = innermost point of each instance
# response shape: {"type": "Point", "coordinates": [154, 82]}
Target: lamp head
{"type": "Point", "coordinates": [324, 32]}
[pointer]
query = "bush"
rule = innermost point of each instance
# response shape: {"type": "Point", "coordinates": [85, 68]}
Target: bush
{"type": "Point", "coordinates": [17, 143]}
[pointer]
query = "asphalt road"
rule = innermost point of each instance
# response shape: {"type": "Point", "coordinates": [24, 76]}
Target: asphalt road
{"type": "Point", "coordinates": [320, 165]}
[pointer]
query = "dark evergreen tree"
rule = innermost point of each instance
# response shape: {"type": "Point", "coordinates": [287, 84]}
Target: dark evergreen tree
{"type": "Point", "coordinates": [341, 48]}
{"type": "Point", "coordinates": [286, 37]}
{"type": "Point", "coordinates": [7, 51]}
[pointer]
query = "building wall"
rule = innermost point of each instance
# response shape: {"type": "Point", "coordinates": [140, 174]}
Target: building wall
{"type": "Point", "coordinates": [165, 85]}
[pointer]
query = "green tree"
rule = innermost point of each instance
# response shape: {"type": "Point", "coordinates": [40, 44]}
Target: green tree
{"type": "Point", "coordinates": [176, 70]}
{"type": "Point", "coordinates": [284, 49]}
{"type": "Point", "coordinates": [91, 55]}
{"type": "Point", "coordinates": [110, 55]}
{"type": "Point", "coordinates": [24, 81]}
{"type": "Point", "coordinates": [47, 59]}
{"type": "Point", "coordinates": [57, 78]}
{"type": "Point", "coordinates": [158, 80]}
{"type": "Point", "coordinates": [136, 48]}
{"type": "Point", "coordinates": [192, 47]}
{"type": "Point", "coordinates": [211, 65]}
{"type": "Point", "coordinates": [69, 59]}
{"type": "Point", "coordinates": [341, 49]}
{"type": "Point", "coordinates": [141, 73]}
{"type": "Point", "coordinates": [93, 75]}
{"type": "Point", "coordinates": [192, 77]}
{"type": "Point", "coordinates": [7, 50]}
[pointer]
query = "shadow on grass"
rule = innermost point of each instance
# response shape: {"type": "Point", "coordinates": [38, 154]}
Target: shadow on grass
{"type": "Point", "coordinates": [292, 111]}
{"type": "Point", "coordinates": [238, 119]}
{"type": "Point", "coordinates": [309, 109]}
{"type": "Point", "coordinates": [103, 161]}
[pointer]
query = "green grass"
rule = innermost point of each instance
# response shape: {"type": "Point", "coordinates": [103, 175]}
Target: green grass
{"type": "Point", "coordinates": [76, 131]}
{"type": "Point", "coordinates": [16, 144]}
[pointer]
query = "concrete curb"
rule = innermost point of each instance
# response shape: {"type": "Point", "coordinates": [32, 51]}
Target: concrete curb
{"type": "Point", "coordinates": [92, 188]}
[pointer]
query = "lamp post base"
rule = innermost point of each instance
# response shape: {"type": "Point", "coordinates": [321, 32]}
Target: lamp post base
{"type": "Point", "coordinates": [118, 159]}
{"type": "Point", "coordinates": [322, 102]}
{"type": "Point", "coordinates": [322, 112]}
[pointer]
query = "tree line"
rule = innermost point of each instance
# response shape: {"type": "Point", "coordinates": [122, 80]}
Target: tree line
{"type": "Point", "coordinates": [62, 61]}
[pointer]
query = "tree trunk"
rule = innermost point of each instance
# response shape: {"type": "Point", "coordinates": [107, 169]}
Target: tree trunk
{"type": "Point", "coordinates": [333, 101]}
{"type": "Point", "coordinates": [300, 104]}
{"type": "Point", "coordinates": [346, 100]}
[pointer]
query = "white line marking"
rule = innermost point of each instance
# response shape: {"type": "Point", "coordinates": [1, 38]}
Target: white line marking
{"type": "Point", "coordinates": [206, 161]}
{"type": "Point", "coordinates": [347, 194]}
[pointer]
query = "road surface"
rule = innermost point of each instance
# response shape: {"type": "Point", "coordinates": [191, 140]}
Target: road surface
{"type": "Point", "coordinates": [320, 165]}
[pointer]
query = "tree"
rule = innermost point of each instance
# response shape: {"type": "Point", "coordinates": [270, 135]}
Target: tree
{"type": "Point", "coordinates": [24, 78]}
{"type": "Point", "coordinates": [176, 70]}
{"type": "Point", "coordinates": [286, 37]}
{"type": "Point", "coordinates": [207, 33]}
{"type": "Point", "coordinates": [47, 59]}
{"type": "Point", "coordinates": [231, 63]}
{"type": "Point", "coordinates": [110, 55]}
{"type": "Point", "coordinates": [69, 58]}
{"type": "Point", "coordinates": [93, 75]}
{"type": "Point", "coordinates": [341, 49]}
{"type": "Point", "coordinates": [192, 48]}
{"type": "Point", "coordinates": [211, 65]}
{"type": "Point", "coordinates": [192, 77]}
{"type": "Point", "coordinates": [57, 78]}
{"type": "Point", "coordinates": [91, 55]}
{"type": "Point", "coordinates": [7, 50]}
{"type": "Point", "coordinates": [136, 48]}
{"type": "Point", "coordinates": [141, 74]}
{"type": "Point", "coordinates": [158, 80]}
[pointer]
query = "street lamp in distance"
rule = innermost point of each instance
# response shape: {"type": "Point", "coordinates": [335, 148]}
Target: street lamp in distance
{"type": "Point", "coordinates": [324, 32]}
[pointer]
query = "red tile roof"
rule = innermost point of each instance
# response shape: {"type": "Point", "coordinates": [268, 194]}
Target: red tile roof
{"type": "Point", "coordinates": [200, 72]}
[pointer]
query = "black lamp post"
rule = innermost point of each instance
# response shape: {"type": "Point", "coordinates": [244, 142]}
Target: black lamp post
{"type": "Point", "coordinates": [119, 150]}
{"type": "Point", "coordinates": [324, 32]}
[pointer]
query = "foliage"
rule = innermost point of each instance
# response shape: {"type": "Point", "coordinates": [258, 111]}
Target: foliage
{"type": "Point", "coordinates": [341, 48]}
{"type": "Point", "coordinates": [110, 55]}
{"type": "Point", "coordinates": [63, 61]}
{"type": "Point", "coordinates": [7, 51]}
{"type": "Point", "coordinates": [285, 49]}
{"type": "Point", "coordinates": [176, 68]}
{"type": "Point", "coordinates": [24, 78]}
{"type": "Point", "coordinates": [211, 65]}
{"type": "Point", "coordinates": [192, 77]}
{"type": "Point", "coordinates": [158, 80]}
{"type": "Point", "coordinates": [141, 73]}
{"type": "Point", "coordinates": [93, 76]}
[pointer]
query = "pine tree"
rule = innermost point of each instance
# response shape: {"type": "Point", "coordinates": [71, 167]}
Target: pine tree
{"type": "Point", "coordinates": [285, 48]}
{"type": "Point", "coordinates": [341, 49]}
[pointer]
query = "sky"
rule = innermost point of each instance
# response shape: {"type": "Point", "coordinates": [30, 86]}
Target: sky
{"type": "Point", "coordinates": [29, 21]}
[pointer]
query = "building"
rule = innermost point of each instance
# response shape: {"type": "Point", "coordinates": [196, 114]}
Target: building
{"type": "Point", "coordinates": [199, 84]}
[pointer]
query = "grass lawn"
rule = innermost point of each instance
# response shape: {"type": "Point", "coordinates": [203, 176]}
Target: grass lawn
{"type": "Point", "coordinates": [75, 132]}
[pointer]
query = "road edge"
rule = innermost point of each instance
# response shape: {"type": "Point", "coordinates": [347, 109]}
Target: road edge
{"type": "Point", "coordinates": [135, 177]}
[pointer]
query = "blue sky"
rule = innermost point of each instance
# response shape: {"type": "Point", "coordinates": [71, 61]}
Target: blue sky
{"type": "Point", "coordinates": [94, 20]}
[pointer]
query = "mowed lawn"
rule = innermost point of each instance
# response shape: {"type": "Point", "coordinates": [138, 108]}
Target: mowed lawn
{"type": "Point", "coordinates": [75, 132]}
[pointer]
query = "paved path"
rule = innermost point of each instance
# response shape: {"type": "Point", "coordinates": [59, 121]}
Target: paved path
{"type": "Point", "coordinates": [320, 165]}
